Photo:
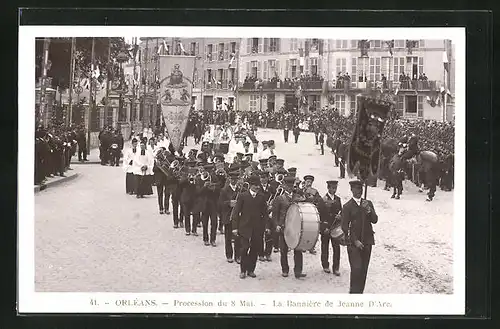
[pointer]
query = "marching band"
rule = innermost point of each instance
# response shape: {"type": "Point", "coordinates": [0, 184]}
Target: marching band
{"type": "Point", "coordinates": [247, 196]}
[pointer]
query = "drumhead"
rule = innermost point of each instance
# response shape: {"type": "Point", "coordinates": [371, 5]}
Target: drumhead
{"type": "Point", "coordinates": [293, 226]}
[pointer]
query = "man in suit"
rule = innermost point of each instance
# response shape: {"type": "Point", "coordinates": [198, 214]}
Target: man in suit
{"type": "Point", "coordinates": [286, 129]}
{"type": "Point", "coordinates": [331, 214]}
{"type": "Point", "coordinates": [280, 207]}
{"type": "Point", "coordinates": [335, 148]}
{"type": "Point", "coordinates": [342, 156]}
{"type": "Point", "coordinates": [296, 133]}
{"type": "Point", "coordinates": [251, 219]}
{"type": "Point", "coordinates": [267, 190]}
{"type": "Point", "coordinates": [358, 215]}
{"type": "Point", "coordinates": [227, 200]}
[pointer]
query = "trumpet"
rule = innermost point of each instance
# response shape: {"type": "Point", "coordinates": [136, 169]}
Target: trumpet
{"type": "Point", "coordinates": [175, 165]}
{"type": "Point", "coordinates": [300, 185]}
{"type": "Point", "coordinates": [204, 176]}
{"type": "Point", "coordinates": [279, 178]}
{"type": "Point", "coordinates": [279, 191]}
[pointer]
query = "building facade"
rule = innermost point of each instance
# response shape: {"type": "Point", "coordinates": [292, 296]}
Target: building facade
{"type": "Point", "coordinates": [268, 67]}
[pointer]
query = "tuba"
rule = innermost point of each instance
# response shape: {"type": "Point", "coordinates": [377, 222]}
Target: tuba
{"type": "Point", "coordinates": [279, 178]}
{"type": "Point", "coordinates": [162, 162]}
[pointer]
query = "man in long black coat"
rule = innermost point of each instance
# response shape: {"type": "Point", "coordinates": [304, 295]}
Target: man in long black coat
{"type": "Point", "coordinates": [251, 219]}
{"type": "Point", "coordinates": [358, 215]}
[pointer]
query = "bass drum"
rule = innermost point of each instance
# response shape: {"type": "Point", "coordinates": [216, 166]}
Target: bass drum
{"type": "Point", "coordinates": [302, 226]}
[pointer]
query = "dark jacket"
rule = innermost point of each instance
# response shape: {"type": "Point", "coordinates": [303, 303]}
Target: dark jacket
{"type": "Point", "coordinates": [354, 217]}
{"type": "Point", "coordinates": [332, 208]}
{"type": "Point", "coordinates": [250, 215]}
{"type": "Point", "coordinates": [226, 195]}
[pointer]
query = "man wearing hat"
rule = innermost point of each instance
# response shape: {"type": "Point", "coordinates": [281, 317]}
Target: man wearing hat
{"type": "Point", "coordinates": [246, 145]}
{"type": "Point", "coordinates": [251, 219]}
{"type": "Point", "coordinates": [286, 129]}
{"type": "Point", "coordinates": [312, 195]}
{"type": "Point", "coordinates": [280, 163]}
{"type": "Point", "coordinates": [264, 153]}
{"type": "Point", "coordinates": [296, 133]}
{"type": "Point", "coordinates": [227, 200]}
{"type": "Point", "coordinates": [329, 216]}
{"type": "Point", "coordinates": [358, 215]}
{"type": "Point", "coordinates": [210, 193]}
{"type": "Point", "coordinates": [189, 198]}
{"type": "Point", "coordinates": [268, 191]}
{"type": "Point", "coordinates": [128, 167]}
{"type": "Point", "coordinates": [280, 208]}
{"type": "Point", "coordinates": [342, 156]}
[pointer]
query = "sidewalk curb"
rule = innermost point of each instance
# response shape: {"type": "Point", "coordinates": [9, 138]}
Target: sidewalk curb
{"type": "Point", "coordinates": [68, 178]}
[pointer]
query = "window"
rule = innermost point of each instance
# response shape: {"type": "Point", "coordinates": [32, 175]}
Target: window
{"type": "Point", "coordinates": [421, 44]}
{"type": "Point", "coordinates": [293, 64]}
{"type": "Point", "coordinates": [341, 44]}
{"type": "Point", "coordinates": [193, 100]}
{"type": "Point", "coordinates": [384, 69]}
{"type": "Point", "coordinates": [374, 69]}
{"type": "Point", "coordinates": [399, 67]}
{"type": "Point", "coordinates": [399, 43]}
{"type": "Point", "coordinates": [315, 44]}
{"type": "Point", "coordinates": [272, 68]}
{"type": "Point", "coordinates": [209, 77]}
{"type": "Point", "coordinates": [340, 103]}
{"type": "Point", "coordinates": [411, 105]}
{"type": "Point", "coordinates": [253, 102]}
{"type": "Point", "coordinates": [192, 49]}
{"type": "Point", "coordinates": [353, 104]}
{"type": "Point", "coordinates": [420, 65]}
{"type": "Point", "coordinates": [293, 45]}
{"type": "Point", "coordinates": [375, 43]}
{"type": "Point", "coordinates": [341, 65]}
{"type": "Point", "coordinates": [354, 44]}
{"type": "Point", "coordinates": [233, 47]}
{"type": "Point", "coordinates": [255, 45]}
{"type": "Point", "coordinates": [420, 106]}
{"type": "Point", "coordinates": [254, 70]}
{"type": "Point", "coordinates": [354, 70]}
{"type": "Point", "coordinates": [221, 52]}
{"type": "Point", "coordinates": [209, 52]}
{"type": "Point", "coordinates": [232, 72]}
{"type": "Point", "coordinates": [314, 66]}
{"type": "Point", "coordinates": [400, 103]}
{"type": "Point", "coordinates": [220, 77]}
{"type": "Point", "coordinates": [274, 44]}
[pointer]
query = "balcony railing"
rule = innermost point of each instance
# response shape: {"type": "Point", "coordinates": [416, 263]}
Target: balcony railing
{"type": "Point", "coordinates": [284, 85]}
{"type": "Point", "coordinates": [417, 85]}
{"type": "Point", "coordinates": [224, 84]}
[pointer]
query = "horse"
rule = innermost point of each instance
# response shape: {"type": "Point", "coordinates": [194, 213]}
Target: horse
{"type": "Point", "coordinates": [426, 163]}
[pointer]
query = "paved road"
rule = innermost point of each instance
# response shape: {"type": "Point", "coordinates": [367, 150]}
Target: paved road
{"type": "Point", "coordinates": [91, 236]}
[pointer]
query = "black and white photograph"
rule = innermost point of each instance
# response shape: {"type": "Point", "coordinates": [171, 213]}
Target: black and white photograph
{"type": "Point", "coordinates": [242, 170]}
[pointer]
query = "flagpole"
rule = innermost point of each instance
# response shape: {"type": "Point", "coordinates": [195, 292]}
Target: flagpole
{"type": "Point", "coordinates": [145, 113]}
{"type": "Point", "coordinates": [43, 82]}
{"type": "Point", "coordinates": [108, 74]}
{"type": "Point", "coordinates": [155, 106]}
{"type": "Point", "coordinates": [89, 120]}
{"type": "Point", "coordinates": [133, 80]}
{"type": "Point", "coordinates": [71, 81]}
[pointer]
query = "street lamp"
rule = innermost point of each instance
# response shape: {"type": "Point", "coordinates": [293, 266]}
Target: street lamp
{"type": "Point", "coordinates": [121, 58]}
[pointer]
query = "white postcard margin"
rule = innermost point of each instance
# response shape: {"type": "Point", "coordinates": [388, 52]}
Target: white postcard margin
{"type": "Point", "coordinates": [30, 301]}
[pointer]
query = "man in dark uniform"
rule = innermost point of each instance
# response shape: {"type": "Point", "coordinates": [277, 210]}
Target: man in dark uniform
{"type": "Point", "coordinates": [116, 147]}
{"type": "Point", "coordinates": [251, 219]}
{"type": "Point", "coordinates": [227, 200]}
{"type": "Point", "coordinates": [210, 191]}
{"type": "Point", "coordinates": [312, 195]}
{"type": "Point", "coordinates": [188, 200]}
{"type": "Point", "coordinates": [329, 216]}
{"type": "Point", "coordinates": [286, 129]}
{"type": "Point", "coordinates": [268, 191]}
{"type": "Point", "coordinates": [280, 207]}
{"type": "Point", "coordinates": [296, 133]}
{"type": "Point", "coordinates": [105, 141]}
{"type": "Point", "coordinates": [358, 215]}
{"type": "Point", "coordinates": [342, 156]}
{"type": "Point", "coordinates": [321, 140]}
{"type": "Point", "coordinates": [174, 185]}
{"type": "Point", "coordinates": [335, 148]}
{"type": "Point", "coordinates": [82, 145]}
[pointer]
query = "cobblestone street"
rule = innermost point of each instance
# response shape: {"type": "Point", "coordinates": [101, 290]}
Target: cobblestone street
{"type": "Point", "coordinates": [92, 237]}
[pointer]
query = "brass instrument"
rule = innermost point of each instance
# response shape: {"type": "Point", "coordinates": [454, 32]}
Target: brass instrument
{"type": "Point", "coordinates": [279, 191]}
{"type": "Point", "coordinates": [245, 185]}
{"type": "Point", "coordinates": [279, 178]}
{"type": "Point", "coordinates": [204, 176]}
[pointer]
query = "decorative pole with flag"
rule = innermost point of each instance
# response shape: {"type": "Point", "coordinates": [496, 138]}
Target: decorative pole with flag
{"type": "Point", "coordinates": [446, 66]}
{"type": "Point", "coordinates": [145, 83]}
{"type": "Point", "coordinates": [43, 82]}
{"type": "Point", "coordinates": [108, 76]}
{"type": "Point", "coordinates": [91, 95]}
{"type": "Point", "coordinates": [71, 81]}
{"type": "Point", "coordinates": [132, 102]}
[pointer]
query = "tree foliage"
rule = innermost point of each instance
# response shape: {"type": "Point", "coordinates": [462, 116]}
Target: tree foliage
{"type": "Point", "coordinates": [60, 58]}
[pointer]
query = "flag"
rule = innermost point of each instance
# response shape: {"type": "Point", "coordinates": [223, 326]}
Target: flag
{"type": "Point", "coordinates": [182, 47]}
{"type": "Point", "coordinates": [390, 46]}
{"type": "Point", "coordinates": [165, 46]}
{"type": "Point", "coordinates": [446, 63]}
{"type": "Point", "coordinates": [232, 59]}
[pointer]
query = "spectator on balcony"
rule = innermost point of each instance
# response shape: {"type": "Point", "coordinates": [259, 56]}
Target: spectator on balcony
{"type": "Point", "coordinates": [384, 81]}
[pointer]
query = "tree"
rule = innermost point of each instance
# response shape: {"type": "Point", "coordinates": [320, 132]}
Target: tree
{"type": "Point", "coordinates": [60, 58]}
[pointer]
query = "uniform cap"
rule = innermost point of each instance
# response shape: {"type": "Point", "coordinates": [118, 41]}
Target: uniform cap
{"type": "Point", "coordinates": [309, 177]}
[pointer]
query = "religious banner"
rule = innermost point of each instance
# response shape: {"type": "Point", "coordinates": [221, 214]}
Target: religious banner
{"type": "Point", "coordinates": [364, 150]}
{"type": "Point", "coordinates": [176, 86]}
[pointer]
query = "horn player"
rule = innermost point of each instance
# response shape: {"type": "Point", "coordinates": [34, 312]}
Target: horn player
{"type": "Point", "coordinates": [269, 238]}
{"type": "Point", "coordinates": [328, 217]}
{"type": "Point", "coordinates": [210, 194]}
{"type": "Point", "coordinates": [227, 200]}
